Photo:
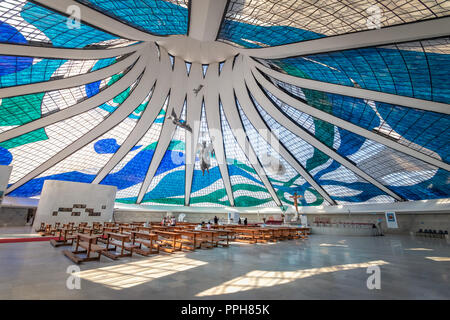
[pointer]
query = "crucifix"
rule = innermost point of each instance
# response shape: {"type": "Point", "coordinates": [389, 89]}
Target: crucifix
{"type": "Point", "coordinates": [295, 197]}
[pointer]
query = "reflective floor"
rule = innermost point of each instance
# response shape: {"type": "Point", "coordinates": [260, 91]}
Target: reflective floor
{"type": "Point", "coordinates": [18, 232]}
{"type": "Point", "coordinates": [322, 267]}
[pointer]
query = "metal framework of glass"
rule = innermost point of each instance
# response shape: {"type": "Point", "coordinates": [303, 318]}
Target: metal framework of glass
{"type": "Point", "coordinates": [359, 124]}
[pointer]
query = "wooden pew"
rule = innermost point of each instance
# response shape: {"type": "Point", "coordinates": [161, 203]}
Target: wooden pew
{"type": "Point", "coordinates": [41, 228]}
{"type": "Point", "coordinates": [123, 241]}
{"type": "Point", "coordinates": [266, 235]}
{"type": "Point", "coordinates": [224, 237]}
{"type": "Point", "coordinates": [144, 229]}
{"type": "Point", "coordinates": [169, 241]}
{"type": "Point", "coordinates": [207, 238]}
{"type": "Point", "coordinates": [149, 240]}
{"type": "Point", "coordinates": [104, 237]}
{"type": "Point", "coordinates": [126, 229]}
{"type": "Point", "coordinates": [190, 240]}
{"type": "Point", "coordinates": [97, 227]}
{"type": "Point", "coordinates": [89, 244]}
{"type": "Point", "coordinates": [65, 238]}
{"type": "Point", "coordinates": [137, 224]}
{"type": "Point", "coordinates": [86, 230]}
{"type": "Point", "coordinates": [248, 235]}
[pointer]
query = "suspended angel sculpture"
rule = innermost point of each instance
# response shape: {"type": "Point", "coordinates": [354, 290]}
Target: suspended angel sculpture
{"type": "Point", "coordinates": [180, 123]}
{"type": "Point", "coordinates": [205, 152]}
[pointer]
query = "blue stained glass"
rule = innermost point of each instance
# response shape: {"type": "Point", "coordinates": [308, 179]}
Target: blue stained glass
{"type": "Point", "coordinates": [155, 16]}
{"type": "Point", "coordinates": [5, 156]}
{"type": "Point", "coordinates": [429, 130]}
{"type": "Point", "coordinates": [418, 72]}
{"type": "Point", "coordinates": [409, 177]}
{"type": "Point", "coordinates": [253, 36]}
{"type": "Point", "coordinates": [345, 185]}
{"type": "Point", "coordinates": [55, 27]}
{"type": "Point", "coordinates": [12, 64]}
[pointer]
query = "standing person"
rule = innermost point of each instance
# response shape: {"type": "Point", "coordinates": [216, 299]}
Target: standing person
{"type": "Point", "coordinates": [378, 226]}
{"type": "Point", "coordinates": [163, 221]}
{"type": "Point", "coordinates": [239, 222]}
{"type": "Point", "coordinates": [216, 220]}
{"type": "Point", "coordinates": [245, 221]}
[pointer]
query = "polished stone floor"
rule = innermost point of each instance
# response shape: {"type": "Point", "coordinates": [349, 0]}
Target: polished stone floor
{"type": "Point", "coordinates": [322, 267]}
{"type": "Point", "coordinates": [18, 232]}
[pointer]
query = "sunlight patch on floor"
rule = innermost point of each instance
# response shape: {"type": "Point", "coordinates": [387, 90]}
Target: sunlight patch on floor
{"type": "Point", "coordinates": [260, 279]}
{"type": "Point", "coordinates": [333, 245]}
{"type": "Point", "coordinates": [439, 259]}
{"type": "Point", "coordinates": [138, 272]}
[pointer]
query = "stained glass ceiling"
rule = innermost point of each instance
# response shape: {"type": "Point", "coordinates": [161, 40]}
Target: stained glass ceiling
{"type": "Point", "coordinates": [96, 103]}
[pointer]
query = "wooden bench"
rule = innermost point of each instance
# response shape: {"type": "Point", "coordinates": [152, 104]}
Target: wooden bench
{"type": "Point", "coordinates": [89, 244]}
{"type": "Point", "coordinates": [303, 232]}
{"type": "Point", "coordinates": [190, 240]}
{"type": "Point", "coordinates": [169, 241]}
{"type": "Point", "coordinates": [65, 238]}
{"type": "Point", "coordinates": [97, 227]}
{"type": "Point", "coordinates": [126, 229]}
{"type": "Point", "coordinates": [144, 229]}
{"type": "Point", "coordinates": [266, 235]}
{"type": "Point", "coordinates": [86, 230]}
{"type": "Point", "coordinates": [41, 228]}
{"type": "Point", "coordinates": [149, 240]}
{"type": "Point", "coordinates": [104, 237]}
{"type": "Point", "coordinates": [122, 241]}
{"type": "Point", "coordinates": [207, 238]}
{"type": "Point", "coordinates": [248, 235]}
{"type": "Point", "coordinates": [224, 237]}
{"type": "Point", "coordinates": [137, 224]}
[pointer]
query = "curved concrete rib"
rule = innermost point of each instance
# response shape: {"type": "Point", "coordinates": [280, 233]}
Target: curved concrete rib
{"type": "Point", "coordinates": [149, 115]}
{"type": "Point", "coordinates": [99, 20]}
{"type": "Point", "coordinates": [212, 110]}
{"type": "Point", "coordinates": [231, 113]}
{"type": "Point", "coordinates": [352, 91]}
{"type": "Point", "coordinates": [69, 82]}
{"type": "Point", "coordinates": [322, 115]}
{"type": "Point", "coordinates": [275, 113]}
{"type": "Point", "coordinates": [402, 33]}
{"type": "Point", "coordinates": [260, 125]}
{"type": "Point", "coordinates": [193, 118]}
{"type": "Point", "coordinates": [65, 53]}
{"type": "Point", "coordinates": [123, 111]}
{"type": "Point", "coordinates": [176, 100]}
{"type": "Point", "coordinates": [98, 99]}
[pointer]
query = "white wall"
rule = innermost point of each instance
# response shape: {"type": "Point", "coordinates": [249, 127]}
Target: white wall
{"type": "Point", "coordinates": [5, 172]}
{"type": "Point", "coordinates": [58, 196]}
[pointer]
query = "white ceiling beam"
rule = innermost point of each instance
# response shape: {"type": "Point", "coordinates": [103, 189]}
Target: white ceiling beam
{"type": "Point", "coordinates": [124, 110]}
{"type": "Point", "coordinates": [261, 126]}
{"type": "Point", "coordinates": [65, 53]}
{"type": "Point", "coordinates": [354, 92]}
{"type": "Point", "coordinates": [231, 113]}
{"type": "Point", "coordinates": [212, 110]}
{"type": "Point", "coordinates": [69, 82]}
{"type": "Point", "coordinates": [322, 115]}
{"type": "Point", "coordinates": [205, 18]}
{"type": "Point", "coordinates": [401, 33]}
{"type": "Point", "coordinates": [99, 20]}
{"type": "Point", "coordinates": [275, 113]}
{"type": "Point", "coordinates": [103, 96]}
{"type": "Point", "coordinates": [178, 84]}
{"type": "Point", "coordinates": [147, 118]}
{"type": "Point", "coordinates": [193, 118]}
